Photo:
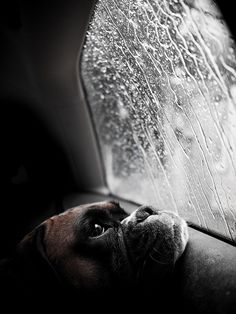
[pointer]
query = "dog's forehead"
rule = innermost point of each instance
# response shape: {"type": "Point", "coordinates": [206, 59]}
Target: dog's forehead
{"type": "Point", "coordinates": [109, 206]}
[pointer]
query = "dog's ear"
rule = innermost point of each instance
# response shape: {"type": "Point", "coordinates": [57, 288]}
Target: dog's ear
{"type": "Point", "coordinates": [31, 249]}
{"type": "Point", "coordinates": [29, 273]}
{"type": "Point", "coordinates": [31, 253]}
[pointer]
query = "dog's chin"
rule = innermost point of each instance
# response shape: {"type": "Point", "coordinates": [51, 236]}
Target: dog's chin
{"type": "Point", "coordinates": [168, 238]}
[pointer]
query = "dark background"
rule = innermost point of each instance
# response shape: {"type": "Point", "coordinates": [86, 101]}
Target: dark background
{"type": "Point", "coordinates": [40, 41]}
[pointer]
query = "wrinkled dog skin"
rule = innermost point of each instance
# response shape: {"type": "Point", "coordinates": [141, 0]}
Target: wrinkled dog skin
{"type": "Point", "coordinates": [156, 240]}
{"type": "Point", "coordinates": [96, 250]}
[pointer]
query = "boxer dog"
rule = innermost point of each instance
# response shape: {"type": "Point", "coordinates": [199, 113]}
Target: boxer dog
{"type": "Point", "coordinates": [93, 253]}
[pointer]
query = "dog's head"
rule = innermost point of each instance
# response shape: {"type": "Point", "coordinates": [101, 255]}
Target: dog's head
{"type": "Point", "coordinates": [95, 245]}
{"type": "Point", "coordinates": [99, 247]}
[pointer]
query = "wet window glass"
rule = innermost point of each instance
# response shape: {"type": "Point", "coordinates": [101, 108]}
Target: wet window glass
{"type": "Point", "coordinates": [160, 79]}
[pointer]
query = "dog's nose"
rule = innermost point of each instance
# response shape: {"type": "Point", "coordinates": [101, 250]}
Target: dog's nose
{"type": "Point", "coordinates": [144, 212]}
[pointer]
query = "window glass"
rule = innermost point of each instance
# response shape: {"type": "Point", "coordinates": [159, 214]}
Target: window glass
{"type": "Point", "coordinates": [160, 78]}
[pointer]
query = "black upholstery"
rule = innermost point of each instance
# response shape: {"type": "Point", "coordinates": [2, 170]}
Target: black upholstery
{"type": "Point", "coordinates": [206, 278]}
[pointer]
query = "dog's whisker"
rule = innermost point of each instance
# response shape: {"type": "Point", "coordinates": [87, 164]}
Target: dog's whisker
{"type": "Point", "coordinates": [158, 261]}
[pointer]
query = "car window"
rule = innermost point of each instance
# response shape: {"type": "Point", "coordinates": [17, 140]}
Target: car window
{"type": "Point", "coordinates": [160, 79]}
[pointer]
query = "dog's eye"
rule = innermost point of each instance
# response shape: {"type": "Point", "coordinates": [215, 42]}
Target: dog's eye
{"type": "Point", "coordinates": [97, 230]}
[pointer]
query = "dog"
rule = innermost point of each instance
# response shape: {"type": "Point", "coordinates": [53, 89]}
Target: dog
{"type": "Point", "coordinates": [93, 253]}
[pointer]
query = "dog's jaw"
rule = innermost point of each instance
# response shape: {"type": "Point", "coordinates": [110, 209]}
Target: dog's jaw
{"type": "Point", "coordinates": [163, 236]}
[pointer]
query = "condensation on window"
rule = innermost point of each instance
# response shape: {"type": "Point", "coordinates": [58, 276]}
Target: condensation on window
{"type": "Point", "coordinates": [160, 78]}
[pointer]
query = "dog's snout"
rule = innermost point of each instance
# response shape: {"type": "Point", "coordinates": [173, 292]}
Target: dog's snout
{"type": "Point", "coordinates": [144, 212]}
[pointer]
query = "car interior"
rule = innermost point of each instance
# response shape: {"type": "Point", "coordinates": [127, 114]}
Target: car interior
{"type": "Point", "coordinates": [55, 130]}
